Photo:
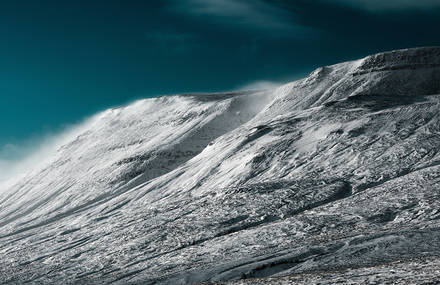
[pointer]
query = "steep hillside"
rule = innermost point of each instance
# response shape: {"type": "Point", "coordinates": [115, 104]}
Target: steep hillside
{"type": "Point", "coordinates": [337, 171]}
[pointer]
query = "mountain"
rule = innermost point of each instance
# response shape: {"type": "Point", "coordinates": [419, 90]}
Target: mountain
{"type": "Point", "coordinates": [332, 177]}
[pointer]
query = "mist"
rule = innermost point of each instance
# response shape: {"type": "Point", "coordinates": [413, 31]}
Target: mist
{"type": "Point", "coordinates": [16, 159]}
{"type": "Point", "coordinates": [260, 85]}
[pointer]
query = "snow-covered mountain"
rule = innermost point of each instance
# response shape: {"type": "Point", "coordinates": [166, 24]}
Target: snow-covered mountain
{"type": "Point", "coordinates": [333, 176]}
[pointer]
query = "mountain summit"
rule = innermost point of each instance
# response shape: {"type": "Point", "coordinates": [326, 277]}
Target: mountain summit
{"type": "Point", "coordinates": [332, 177]}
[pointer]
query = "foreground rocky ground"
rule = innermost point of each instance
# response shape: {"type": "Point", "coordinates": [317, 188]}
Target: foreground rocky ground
{"type": "Point", "coordinates": [417, 271]}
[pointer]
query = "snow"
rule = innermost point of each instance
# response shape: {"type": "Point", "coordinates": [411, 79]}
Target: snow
{"type": "Point", "coordinates": [332, 176]}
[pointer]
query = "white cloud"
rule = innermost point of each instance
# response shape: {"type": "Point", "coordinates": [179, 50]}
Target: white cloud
{"type": "Point", "coordinates": [239, 13]}
{"type": "Point", "coordinates": [386, 5]}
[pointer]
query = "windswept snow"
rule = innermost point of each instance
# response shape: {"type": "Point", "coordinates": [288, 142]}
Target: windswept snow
{"type": "Point", "coordinates": [333, 176]}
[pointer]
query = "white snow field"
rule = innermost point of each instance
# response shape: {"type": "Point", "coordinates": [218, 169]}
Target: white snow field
{"type": "Point", "coordinates": [332, 178]}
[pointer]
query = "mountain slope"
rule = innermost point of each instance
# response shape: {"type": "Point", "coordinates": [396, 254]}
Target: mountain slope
{"type": "Point", "coordinates": [338, 170]}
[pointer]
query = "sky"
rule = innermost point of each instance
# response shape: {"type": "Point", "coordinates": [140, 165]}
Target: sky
{"type": "Point", "coordinates": [62, 61]}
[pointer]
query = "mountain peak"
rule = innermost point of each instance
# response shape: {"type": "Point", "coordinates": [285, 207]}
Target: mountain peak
{"type": "Point", "coordinates": [413, 58]}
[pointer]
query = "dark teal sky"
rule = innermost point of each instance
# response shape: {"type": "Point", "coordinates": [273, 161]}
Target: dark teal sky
{"type": "Point", "coordinates": [63, 60]}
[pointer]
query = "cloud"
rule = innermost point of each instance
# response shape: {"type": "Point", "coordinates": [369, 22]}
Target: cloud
{"type": "Point", "coordinates": [248, 14]}
{"type": "Point", "coordinates": [389, 5]}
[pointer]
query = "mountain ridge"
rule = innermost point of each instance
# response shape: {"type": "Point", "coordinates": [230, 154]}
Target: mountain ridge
{"type": "Point", "coordinates": [337, 170]}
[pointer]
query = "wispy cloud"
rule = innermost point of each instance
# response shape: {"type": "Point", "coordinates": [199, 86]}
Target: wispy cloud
{"type": "Point", "coordinates": [248, 14]}
{"type": "Point", "coordinates": [389, 5]}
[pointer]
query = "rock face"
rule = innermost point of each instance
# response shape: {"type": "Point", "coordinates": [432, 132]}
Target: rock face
{"type": "Point", "coordinates": [334, 175]}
